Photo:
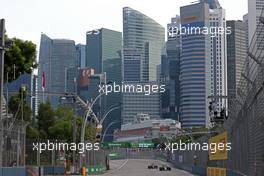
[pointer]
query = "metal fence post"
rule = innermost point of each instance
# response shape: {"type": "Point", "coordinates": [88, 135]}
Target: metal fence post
{"type": "Point", "coordinates": [2, 52]}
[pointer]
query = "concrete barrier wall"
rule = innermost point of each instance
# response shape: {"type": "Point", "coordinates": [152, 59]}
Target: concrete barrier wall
{"type": "Point", "coordinates": [13, 171]}
{"type": "Point", "coordinates": [32, 171]}
{"type": "Point", "coordinates": [234, 173]}
{"type": "Point", "coordinates": [53, 170]}
{"type": "Point", "coordinates": [198, 170]}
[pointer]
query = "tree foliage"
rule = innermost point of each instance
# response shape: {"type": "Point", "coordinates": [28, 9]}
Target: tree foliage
{"type": "Point", "coordinates": [64, 126]}
{"type": "Point", "coordinates": [45, 119]}
{"type": "Point", "coordinates": [15, 106]}
{"type": "Point", "coordinates": [22, 54]}
{"type": "Point", "coordinates": [59, 124]}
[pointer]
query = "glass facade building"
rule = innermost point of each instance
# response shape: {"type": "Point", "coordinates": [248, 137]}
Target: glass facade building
{"type": "Point", "coordinates": [170, 73]}
{"type": "Point", "coordinates": [236, 55]}
{"type": "Point", "coordinates": [80, 54]}
{"type": "Point", "coordinates": [146, 38]}
{"type": "Point", "coordinates": [135, 103]}
{"type": "Point", "coordinates": [103, 54]}
{"type": "Point", "coordinates": [55, 57]}
{"type": "Point", "coordinates": [254, 12]}
{"type": "Point", "coordinates": [143, 40]}
{"type": "Point", "coordinates": [195, 66]}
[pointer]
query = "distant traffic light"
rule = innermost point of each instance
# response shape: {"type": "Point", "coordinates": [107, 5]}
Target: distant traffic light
{"type": "Point", "coordinates": [98, 133]}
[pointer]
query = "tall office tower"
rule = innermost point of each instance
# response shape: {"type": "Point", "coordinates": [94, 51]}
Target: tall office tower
{"type": "Point", "coordinates": [55, 57]}
{"type": "Point", "coordinates": [134, 103]}
{"type": "Point", "coordinates": [218, 56]}
{"type": "Point", "coordinates": [131, 65]}
{"type": "Point", "coordinates": [254, 11]}
{"type": "Point", "coordinates": [80, 54]}
{"type": "Point", "coordinates": [245, 20]}
{"type": "Point", "coordinates": [143, 40]}
{"type": "Point", "coordinates": [170, 72]}
{"type": "Point", "coordinates": [255, 8]}
{"type": "Point", "coordinates": [195, 67]}
{"type": "Point", "coordinates": [103, 54]}
{"type": "Point", "coordinates": [236, 55]}
{"type": "Point", "coordinates": [145, 37]}
{"type": "Point", "coordinates": [71, 75]}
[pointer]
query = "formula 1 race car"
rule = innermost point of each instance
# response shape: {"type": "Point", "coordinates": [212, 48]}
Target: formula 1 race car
{"type": "Point", "coordinates": [152, 166]}
{"type": "Point", "coordinates": [164, 168]}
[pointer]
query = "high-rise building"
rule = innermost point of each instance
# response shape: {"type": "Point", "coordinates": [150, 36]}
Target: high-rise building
{"type": "Point", "coordinates": [55, 57]}
{"type": "Point", "coordinates": [245, 20]}
{"type": "Point", "coordinates": [131, 65]}
{"type": "Point", "coordinates": [71, 76]}
{"type": "Point", "coordinates": [236, 55]}
{"type": "Point", "coordinates": [218, 56]}
{"type": "Point", "coordinates": [135, 103]}
{"type": "Point", "coordinates": [255, 20]}
{"type": "Point", "coordinates": [170, 72]}
{"type": "Point", "coordinates": [80, 54]}
{"type": "Point", "coordinates": [195, 67]}
{"type": "Point", "coordinates": [145, 37]}
{"type": "Point", "coordinates": [254, 12]}
{"type": "Point", "coordinates": [103, 54]}
{"type": "Point", "coordinates": [143, 40]}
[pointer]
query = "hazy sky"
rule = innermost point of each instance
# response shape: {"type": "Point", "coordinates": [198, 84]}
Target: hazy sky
{"type": "Point", "coordinates": [71, 19]}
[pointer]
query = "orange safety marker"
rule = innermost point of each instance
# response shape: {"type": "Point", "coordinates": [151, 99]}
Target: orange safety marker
{"type": "Point", "coordinates": [83, 171]}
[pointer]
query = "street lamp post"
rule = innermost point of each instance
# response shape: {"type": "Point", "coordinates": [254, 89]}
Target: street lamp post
{"type": "Point", "coordinates": [108, 126]}
{"type": "Point", "coordinates": [85, 121]}
{"type": "Point", "coordinates": [106, 114]}
{"type": "Point", "coordinates": [87, 115]}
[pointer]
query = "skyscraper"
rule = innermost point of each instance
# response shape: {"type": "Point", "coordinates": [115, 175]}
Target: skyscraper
{"type": "Point", "coordinates": [134, 103]}
{"type": "Point", "coordinates": [80, 54]}
{"type": "Point", "coordinates": [55, 57]}
{"type": "Point", "coordinates": [218, 55]}
{"type": "Point", "coordinates": [170, 72]}
{"type": "Point", "coordinates": [254, 19]}
{"type": "Point", "coordinates": [103, 54]}
{"type": "Point", "coordinates": [195, 67]}
{"type": "Point", "coordinates": [145, 37]}
{"type": "Point", "coordinates": [143, 40]}
{"type": "Point", "coordinates": [254, 11]}
{"type": "Point", "coordinates": [236, 55]}
{"type": "Point", "coordinates": [245, 20]}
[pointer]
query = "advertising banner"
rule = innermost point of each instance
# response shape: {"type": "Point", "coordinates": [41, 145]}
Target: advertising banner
{"type": "Point", "coordinates": [218, 143]}
{"type": "Point", "coordinates": [84, 77]}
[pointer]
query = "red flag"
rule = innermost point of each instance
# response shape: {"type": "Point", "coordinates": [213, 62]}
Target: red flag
{"type": "Point", "coordinates": [43, 80]}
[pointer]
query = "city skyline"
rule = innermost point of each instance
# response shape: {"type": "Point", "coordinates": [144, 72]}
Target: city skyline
{"type": "Point", "coordinates": [75, 18]}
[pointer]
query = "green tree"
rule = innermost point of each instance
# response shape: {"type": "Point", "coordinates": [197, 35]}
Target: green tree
{"type": "Point", "coordinates": [63, 126]}
{"type": "Point", "coordinates": [46, 119]}
{"type": "Point", "coordinates": [22, 54]}
{"type": "Point", "coordinates": [15, 106]}
{"type": "Point", "coordinates": [32, 132]}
